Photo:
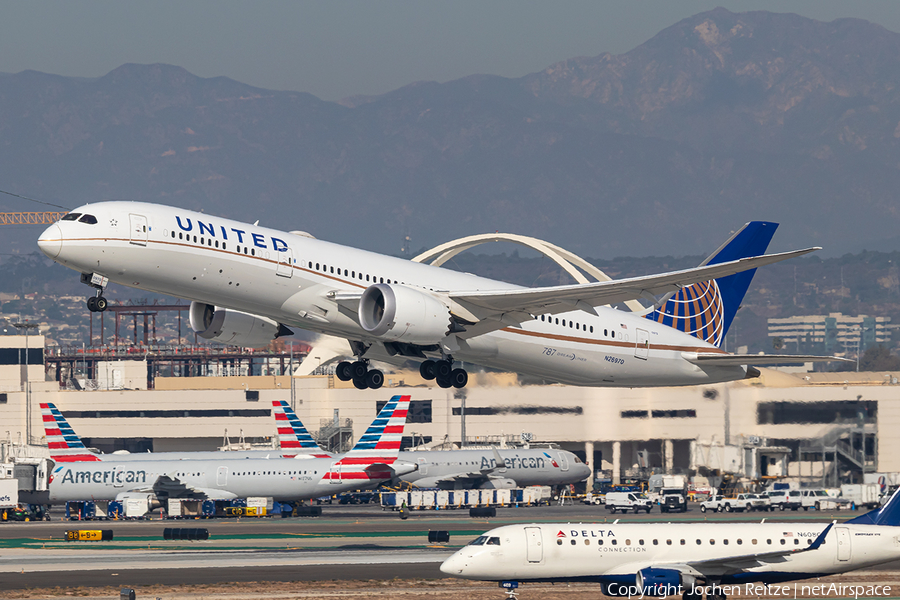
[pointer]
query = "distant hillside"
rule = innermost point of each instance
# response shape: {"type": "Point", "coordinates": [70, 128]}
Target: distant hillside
{"type": "Point", "coordinates": [717, 120]}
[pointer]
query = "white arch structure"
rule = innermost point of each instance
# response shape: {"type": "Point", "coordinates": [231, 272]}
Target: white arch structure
{"type": "Point", "coordinates": [567, 260]}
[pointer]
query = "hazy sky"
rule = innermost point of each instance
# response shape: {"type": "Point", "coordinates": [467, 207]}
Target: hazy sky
{"type": "Point", "coordinates": [334, 48]}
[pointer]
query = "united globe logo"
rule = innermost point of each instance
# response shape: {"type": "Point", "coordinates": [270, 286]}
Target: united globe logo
{"type": "Point", "coordinates": [696, 310]}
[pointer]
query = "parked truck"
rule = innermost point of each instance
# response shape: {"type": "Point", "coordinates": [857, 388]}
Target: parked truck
{"type": "Point", "coordinates": [861, 494]}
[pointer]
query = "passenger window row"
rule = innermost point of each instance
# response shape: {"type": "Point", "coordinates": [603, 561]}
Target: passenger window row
{"type": "Point", "coordinates": [204, 241]}
{"type": "Point", "coordinates": [572, 324]}
{"type": "Point", "coordinates": [712, 542]}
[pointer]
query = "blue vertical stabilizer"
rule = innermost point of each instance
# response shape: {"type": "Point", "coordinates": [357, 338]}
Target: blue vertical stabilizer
{"type": "Point", "coordinates": [706, 310]}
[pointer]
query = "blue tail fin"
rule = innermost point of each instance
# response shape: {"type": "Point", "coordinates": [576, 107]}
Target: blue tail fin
{"type": "Point", "coordinates": [888, 515]}
{"type": "Point", "coordinates": [706, 310]}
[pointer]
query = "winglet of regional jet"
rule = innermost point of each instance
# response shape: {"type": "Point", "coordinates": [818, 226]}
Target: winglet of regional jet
{"type": "Point", "coordinates": [821, 539]}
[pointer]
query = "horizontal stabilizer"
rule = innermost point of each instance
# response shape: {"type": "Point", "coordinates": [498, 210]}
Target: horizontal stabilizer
{"type": "Point", "coordinates": [738, 360]}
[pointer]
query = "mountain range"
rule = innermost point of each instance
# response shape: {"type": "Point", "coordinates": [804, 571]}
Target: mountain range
{"type": "Point", "coordinates": [719, 119]}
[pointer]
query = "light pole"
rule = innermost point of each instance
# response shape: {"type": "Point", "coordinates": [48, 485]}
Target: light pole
{"type": "Point", "coordinates": [27, 326]}
{"type": "Point", "coordinates": [860, 329]}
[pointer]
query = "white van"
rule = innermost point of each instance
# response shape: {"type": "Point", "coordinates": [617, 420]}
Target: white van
{"type": "Point", "coordinates": [625, 501]}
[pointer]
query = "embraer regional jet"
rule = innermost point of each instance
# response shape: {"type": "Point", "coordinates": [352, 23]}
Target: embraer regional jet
{"type": "Point", "coordinates": [687, 559]}
{"type": "Point", "coordinates": [249, 285]}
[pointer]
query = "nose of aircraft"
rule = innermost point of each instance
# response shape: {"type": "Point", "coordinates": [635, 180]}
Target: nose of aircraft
{"type": "Point", "coordinates": [453, 565]}
{"type": "Point", "coordinates": [50, 241]}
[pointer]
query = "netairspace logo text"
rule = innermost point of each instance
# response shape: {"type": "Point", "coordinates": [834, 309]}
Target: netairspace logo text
{"type": "Point", "coordinates": [797, 590]}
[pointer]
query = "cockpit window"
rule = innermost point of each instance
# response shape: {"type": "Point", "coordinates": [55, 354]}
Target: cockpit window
{"type": "Point", "coordinates": [89, 219]}
{"type": "Point", "coordinates": [479, 541]}
{"type": "Point", "coordinates": [71, 217]}
{"type": "Point", "coordinates": [578, 461]}
{"type": "Point", "coordinates": [494, 541]}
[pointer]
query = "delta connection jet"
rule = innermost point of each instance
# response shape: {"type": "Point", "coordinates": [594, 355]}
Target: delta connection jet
{"type": "Point", "coordinates": [686, 559]}
{"type": "Point", "coordinates": [81, 475]}
{"type": "Point", "coordinates": [249, 285]}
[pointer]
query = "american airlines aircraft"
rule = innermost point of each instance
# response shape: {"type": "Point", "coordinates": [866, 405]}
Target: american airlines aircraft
{"type": "Point", "coordinates": [687, 559]}
{"type": "Point", "coordinates": [250, 284]}
{"type": "Point", "coordinates": [447, 469]}
{"type": "Point", "coordinates": [492, 468]}
{"type": "Point", "coordinates": [81, 475]}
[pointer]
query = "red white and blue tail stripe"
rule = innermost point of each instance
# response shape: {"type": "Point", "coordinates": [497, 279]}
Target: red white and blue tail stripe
{"type": "Point", "coordinates": [64, 444]}
{"type": "Point", "coordinates": [378, 447]}
{"type": "Point", "coordinates": [293, 438]}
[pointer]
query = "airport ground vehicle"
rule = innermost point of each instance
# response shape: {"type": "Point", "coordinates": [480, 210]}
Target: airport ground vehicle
{"type": "Point", "coordinates": [672, 500]}
{"type": "Point", "coordinates": [784, 499]}
{"type": "Point", "coordinates": [595, 499]}
{"type": "Point", "coordinates": [818, 500]}
{"type": "Point", "coordinates": [625, 501]}
{"type": "Point", "coordinates": [739, 503]}
{"type": "Point", "coordinates": [861, 494]}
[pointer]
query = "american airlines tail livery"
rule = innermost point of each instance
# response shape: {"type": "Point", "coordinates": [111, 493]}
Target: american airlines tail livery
{"type": "Point", "coordinates": [249, 285]}
{"type": "Point", "coordinates": [684, 559]}
{"type": "Point", "coordinates": [294, 441]}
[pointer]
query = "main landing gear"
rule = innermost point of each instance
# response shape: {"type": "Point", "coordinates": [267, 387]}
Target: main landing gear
{"type": "Point", "coordinates": [359, 373]}
{"type": "Point", "coordinates": [443, 373]}
{"type": "Point", "coordinates": [96, 303]}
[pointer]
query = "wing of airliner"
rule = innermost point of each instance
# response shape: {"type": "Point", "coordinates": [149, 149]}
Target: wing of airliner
{"type": "Point", "coordinates": [169, 486]}
{"type": "Point", "coordinates": [730, 565]}
{"type": "Point", "coordinates": [564, 298]}
{"type": "Point", "coordinates": [172, 487]}
{"type": "Point", "coordinates": [474, 478]}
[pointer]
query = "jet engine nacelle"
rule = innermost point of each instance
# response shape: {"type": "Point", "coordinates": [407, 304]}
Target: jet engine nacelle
{"type": "Point", "coordinates": [397, 313]}
{"type": "Point", "coordinates": [662, 582]}
{"type": "Point", "coordinates": [228, 326]}
{"type": "Point", "coordinates": [501, 483]}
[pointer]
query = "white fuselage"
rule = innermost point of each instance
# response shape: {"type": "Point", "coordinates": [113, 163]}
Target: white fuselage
{"type": "Point", "coordinates": [280, 478]}
{"type": "Point", "coordinates": [614, 553]}
{"type": "Point", "coordinates": [523, 466]}
{"type": "Point", "coordinates": [287, 278]}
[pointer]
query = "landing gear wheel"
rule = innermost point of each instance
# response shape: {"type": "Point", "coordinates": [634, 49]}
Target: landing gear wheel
{"type": "Point", "coordinates": [444, 383]}
{"type": "Point", "coordinates": [459, 378]}
{"type": "Point", "coordinates": [92, 304]}
{"type": "Point", "coordinates": [442, 369]}
{"type": "Point", "coordinates": [359, 384]}
{"type": "Point", "coordinates": [426, 370]}
{"type": "Point", "coordinates": [101, 303]}
{"type": "Point", "coordinates": [343, 371]}
{"type": "Point", "coordinates": [374, 379]}
{"type": "Point", "coordinates": [359, 369]}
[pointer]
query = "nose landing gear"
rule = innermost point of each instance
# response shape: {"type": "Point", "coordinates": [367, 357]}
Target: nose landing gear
{"type": "Point", "coordinates": [510, 588]}
{"type": "Point", "coordinates": [96, 303]}
{"type": "Point", "coordinates": [443, 373]}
